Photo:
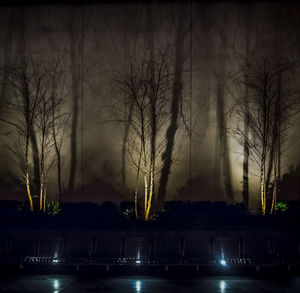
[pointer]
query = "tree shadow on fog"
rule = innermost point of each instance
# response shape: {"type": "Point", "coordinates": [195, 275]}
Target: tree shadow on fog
{"type": "Point", "coordinates": [97, 191]}
{"type": "Point", "coordinates": [290, 185]}
{"type": "Point", "coordinates": [10, 187]}
{"type": "Point", "coordinates": [204, 188]}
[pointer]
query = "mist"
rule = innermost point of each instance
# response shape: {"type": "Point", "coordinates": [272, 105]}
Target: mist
{"type": "Point", "coordinates": [100, 48]}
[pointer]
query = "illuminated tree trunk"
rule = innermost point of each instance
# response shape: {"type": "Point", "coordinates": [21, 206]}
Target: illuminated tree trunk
{"type": "Point", "coordinates": [146, 193]}
{"type": "Point", "coordinates": [41, 192]}
{"type": "Point", "coordinates": [272, 104]}
{"type": "Point", "coordinates": [148, 207]}
{"type": "Point", "coordinates": [144, 84]}
{"type": "Point", "coordinates": [277, 143]}
{"type": "Point", "coordinates": [28, 192]}
{"type": "Point", "coordinates": [45, 199]}
{"type": "Point", "coordinates": [265, 112]}
{"type": "Point", "coordinates": [153, 102]}
{"type": "Point", "coordinates": [143, 141]}
{"type": "Point", "coordinates": [262, 189]}
{"type": "Point", "coordinates": [263, 183]}
{"type": "Point", "coordinates": [35, 155]}
{"type": "Point", "coordinates": [269, 184]}
{"type": "Point", "coordinates": [136, 184]}
{"type": "Point", "coordinates": [27, 180]}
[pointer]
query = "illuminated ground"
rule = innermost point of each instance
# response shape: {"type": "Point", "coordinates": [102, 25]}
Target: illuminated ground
{"type": "Point", "coordinates": [143, 284]}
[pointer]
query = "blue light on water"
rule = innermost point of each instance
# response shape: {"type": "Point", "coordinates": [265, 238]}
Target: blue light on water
{"type": "Point", "coordinates": [55, 284]}
{"type": "Point", "coordinates": [138, 286]}
{"type": "Point", "coordinates": [222, 286]}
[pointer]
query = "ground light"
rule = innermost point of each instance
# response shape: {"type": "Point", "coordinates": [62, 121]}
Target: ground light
{"type": "Point", "coordinates": [138, 261]}
{"type": "Point", "coordinates": [223, 262]}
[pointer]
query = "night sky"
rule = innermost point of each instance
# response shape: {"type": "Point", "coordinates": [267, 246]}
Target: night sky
{"type": "Point", "coordinates": [203, 46]}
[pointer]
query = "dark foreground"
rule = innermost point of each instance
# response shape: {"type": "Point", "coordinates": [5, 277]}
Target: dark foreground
{"type": "Point", "coordinates": [73, 283]}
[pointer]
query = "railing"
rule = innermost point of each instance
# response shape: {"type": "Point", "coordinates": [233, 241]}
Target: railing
{"type": "Point", "coordinates": [149, 261]}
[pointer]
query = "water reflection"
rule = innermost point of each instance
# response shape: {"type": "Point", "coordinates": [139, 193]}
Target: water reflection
{"type": "Point", "coordinates": [141, 284]}
{"type": "Point", "coordinates": [56, 284]}
{"type": "Point", "coordinates": [138, 286]}
{"type": "Point", "coordinates": [222, 286]}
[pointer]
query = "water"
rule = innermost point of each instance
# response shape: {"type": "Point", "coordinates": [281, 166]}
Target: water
{"type": "Point", "coordinates": [61, 283]}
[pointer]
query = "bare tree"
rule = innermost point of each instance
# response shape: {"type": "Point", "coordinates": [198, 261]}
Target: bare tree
{"type": "Point", "coordinates": [134, 29]}
{"type": "Point", "coordinates": [146, 86]}
{"type": "Point", "coordinates": [21, 65]}
{"type": "Point", "coordinates": [271, 104]}
{"type": "Point", "coordinates": [53, 122]}
{"type": "Point", "coordinates": [59, 119]}
{"type": "Point", "coordinates": [44, 124]}
{"type": "Point", "coordinates": [32, 108]}
{"type": "Point", "coordinates": [26, 90]}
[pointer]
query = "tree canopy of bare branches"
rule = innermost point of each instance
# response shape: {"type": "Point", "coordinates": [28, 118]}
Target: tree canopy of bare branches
{"type": "Point", "coordinates": [143, 109]}
{"type": "Point", "coordinates": [36, 121]}
{"type": "Point", "coordinates": [270, 104]}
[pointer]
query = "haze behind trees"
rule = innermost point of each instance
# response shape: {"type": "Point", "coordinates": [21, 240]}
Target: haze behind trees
{"type": "Point", "coordinates": [206, 47]}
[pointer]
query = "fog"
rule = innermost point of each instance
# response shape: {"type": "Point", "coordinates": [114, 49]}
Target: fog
{"type": "Point", "coordinates": [205, 47]}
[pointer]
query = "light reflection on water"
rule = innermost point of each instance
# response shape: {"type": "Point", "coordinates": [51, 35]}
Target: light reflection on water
{"type": "Point", "coordinates": [138, 286]}
{"type": "Point", "coordinates": [79, 284]}
{"type": "Point", "coordinates": [56, 284]}
{"type": "Point", "coordinates": [222, 286]}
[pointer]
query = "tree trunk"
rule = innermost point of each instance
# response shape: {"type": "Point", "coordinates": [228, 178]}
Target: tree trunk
{"type": "Point", "coordinates": [36, 160]}
{"type": "Point", "coordinates": [57, 149]}
{"type": "Point", "coordinates": [124, 142]}
{"type": "Point", "coordinates": [41, 192]}
{"type": "Point", "coordinates": [21, 48]}
{"type": "Point", "coordinates": [246, 150]}
{"type": "Point", "coordinates": [28, 192]}
{"type": "Point", "coordinates": [45, 199]}
{"type": "Point", "coordinates": [153, 101]}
